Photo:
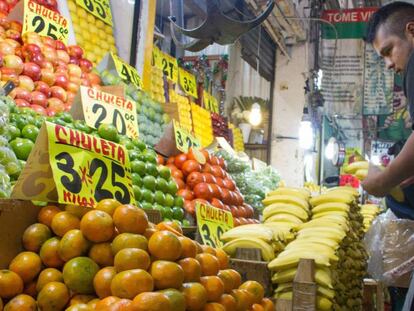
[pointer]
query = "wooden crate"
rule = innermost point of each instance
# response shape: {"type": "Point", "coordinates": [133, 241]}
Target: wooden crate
{"type": "Point", "coordinates": [154, 216]}
{"type": "Point", "coordinates": [15, 217]}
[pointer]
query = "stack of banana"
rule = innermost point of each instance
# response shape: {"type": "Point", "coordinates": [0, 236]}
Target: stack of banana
{"type": "Point", "coordinates": [333, 239]}
{"type": "Point", "coordinates": [314, 188]}
{"type": "Point", "coordinates": [357, 168]}
{"type": "Point", "coordinates": [369, 212]}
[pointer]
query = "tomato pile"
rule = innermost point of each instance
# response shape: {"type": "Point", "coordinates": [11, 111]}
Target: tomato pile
{"type": "Point", "coordinates": [7, 5]}
{"type": "Point", "coordinates": [202, 177]}
{"type": "Point", "coordinates": [113, 258]}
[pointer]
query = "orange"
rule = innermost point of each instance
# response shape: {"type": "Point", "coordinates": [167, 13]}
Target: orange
{"type": "Point", "coordinates": [11, 284]}
{"type": "Point", "coordinates": [164, 245]}
{"type": "Point", "coordinates": [199, 248]}
{"type": "Point", "coordinates": [102, 282]}
{"type": "Point", "coordinates": [63, 222]}
{"type": "Point", "coordinates": [176, 299]}
{"type": "Point", "coordinates": [268, 305]}
{"type": "Point", "coordinates": [92, 304]}
{"type": "Point", "coordinates": [30, 289]}
{"type": "Point", "coordinates": [27, 265]}
{"type": "Point", "coordinates": [35, 235]}
{"type": "Point", "coordinates": [101, 253]}
{"type": "Point", "coordinates": [131, 258]}
{"type": "Point", "coordinates": [214, 287]}
{"type": "Point", "coordinates": [188, 246]}
{"type": "Point", "coordinates": [213, 306]}
{"type": "Point", "coordinates": [49, 253]}
{"type": "Point", "coordinates": [209, 264]}
{"type": "Point", "coordinates": [229, 302]}
{"type": "Point", "coordinates": [21, 303]}
{"type": "Point", "coordinates": [151, 302]}
{"type": "Point", "coordinates": [104, 304]}
{"type": "Point", "coordinates": [243, 298]}
{"type": "Point", "coordinates": [255, 288]}
{"type": "Point", "coordinates": [208, 249]}
{"type": "Point", "coordinates": [167, 274]}
{"type": "Point", "coordinates": [78, 299]}
{"type": "Point", "coordinates": [79, 307]}
{"type": "Point", "coordinates": [46, 214]}
{"type": "Point", "coordinates": [149, 232]}
{"type": "Point", "coordinates": [223, 258]}
{"type": "Point", "coordinates": [78, 274]}
{"type": "Point", "coordinates": [97, 226]}
{"type": "Point", "coordinates": [121, 305]}
{"type": "Point", "coordinates": [129, 218]}
{"type": "Point", "coordinates": [237, 280]}
{"type": "Point", "coordinates": [191, 268]}
{"type": "Point", "coordinates": [73, 244]}
{"type": "Point", "coordinates": [53, 296]}
{"type": "Point", "coordinates": [108, 206]}
{"type": "Point", "coordinates": [195, 296]}
{"type": "Point", "coordinates": [128, 284]}
{"type": "Point", "coordinates": [77, 210]}
{"type": "Point", "coordinates": [48, 275]}
{"type": "Point", "coordinates": [257, 307]}
{"type": "Point", "coordinates": [128, 240]}
{"type": "Point", "coordinates": [227, 279]}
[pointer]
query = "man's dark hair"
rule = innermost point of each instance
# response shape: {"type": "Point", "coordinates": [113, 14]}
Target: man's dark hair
{"type": "Point", "coordinates": [395, 16]}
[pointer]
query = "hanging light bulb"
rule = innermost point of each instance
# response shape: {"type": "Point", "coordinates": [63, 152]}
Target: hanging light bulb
{"type": "Point", "coordinates": [306, 135]}
{"type": "Point", "coordinates": [255, 116]}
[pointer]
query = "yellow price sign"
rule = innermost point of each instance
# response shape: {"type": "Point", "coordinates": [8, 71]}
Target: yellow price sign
{"type": "Point", "coordinates": [188, 82]}
{"type": "Point", "coordinates": [155, 56]}
{"type": "Point", "coordinates": [87, 169]}
{"type": "Point", "coordinates": [167, 63]}
{"type": "Point", "coordinates": [100, 107]}
{"type": "Point", "coordinates": [126, 71]}
{"type": "Point", "coordinates": [45, 22]}
{"type": "Point", "coordinates": [212, 223]}
{"type": "Point", "coordinates": [98, 8]}
{"type": "Point", "coordinates": [210, 102]}
{"type": "Point", "coordinates": [184, 140]}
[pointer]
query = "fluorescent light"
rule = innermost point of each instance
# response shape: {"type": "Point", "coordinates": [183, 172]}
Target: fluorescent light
{"type": "Point", "coordinates": [306, 135]}
{"type": "Point", "coordinates": [255, 116]}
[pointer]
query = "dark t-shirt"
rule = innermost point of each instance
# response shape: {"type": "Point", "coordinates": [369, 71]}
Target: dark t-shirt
{"type": "Point", "coordinates": [408, 85]}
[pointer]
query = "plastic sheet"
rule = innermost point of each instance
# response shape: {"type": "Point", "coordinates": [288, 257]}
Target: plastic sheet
{"type": "Point", "coordinates": [390, 244]}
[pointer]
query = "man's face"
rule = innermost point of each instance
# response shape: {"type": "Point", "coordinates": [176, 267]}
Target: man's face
{"type": "Point", "coordinates": [394, 49]}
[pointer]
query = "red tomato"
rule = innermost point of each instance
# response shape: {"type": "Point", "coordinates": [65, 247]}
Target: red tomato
{"type": "Point", "coordinates": [214, 160]}
{"type": "Point", "coordinates": [236, 222]}
{"type": "Point", "coordinates": [195, 178]}
{"type": "Point", "coordinates": [226, 196]}
{"type": "Point", "coordinates": [220, 182]}
{"type": "Point", "coordinates": [170, 160]}
{"type": "Point", "coordinates": [190, 166]}
{"type": "Point", "coordinates": [179, 160]}
{"type": "Point", "coordinates": [222, 163]}
{"type": "Point", "coordinates": [180, 183]}
{"type": "Point", "coordinates": [229, 184]}
{"type": "Point", "coordinates": [160, 159]}
{"type": "Point", "coordinates": [249, 210]}
{"type": "Point", "coordinates": [203, 191]}
{"type": "Point", "coordinates": [206, 155]}
{"type": "Point", "coordinates": [217, 203]}
{"type": "Point", "coordinates": [176, 173]}
{"type": "Point", "coordinates": [207, 169]}
{"type": "Point", "coordinates": [210, 178]}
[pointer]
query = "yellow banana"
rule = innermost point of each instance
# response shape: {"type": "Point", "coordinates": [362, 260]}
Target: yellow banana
{"type": "Point", "coordinates": [329, 252]}
{"type": "Point", "coordinates": [322, 215]}
{"type": "Point", "coordinates": [284, 287]}
{"type": "Point", "coordinates": [327, 292]}
{"type": "Point", "coordinates": [292, 260]}
{"type": "Point", "coordinates": [282, 208]}
{"type": "Point", "coordinates": [397, 194]}
{"type": "Point", "coordinates": [289, 199]}
{"type": "Point", "coordinates": [361, 174]}
{"type": "Point", "coordinates": [265, 248]}
{"type": "Point", "coordinates": [246, 231]}
{"type": "Point", "coordinates": [330, 235]}
{"type": "Point", "coordinates": [322, 276]}
{"type": "Point", "coordinates": [323, 304]}
{"type": "Point", "coordinates": [284, 218]}
{"type": "Point", "coordinates": [346, 189]}
{"type": "Point", "coordinates": [325, 221]}
{"type": "Point", "coordinates": [331, 197]}
{"type": "Point", "coordinates": [355, 166]}
{"type": "Point", "coordinates": [328, 207]}
{"type": "Point", "coordinates": [304, 194]}
{"type": "Point", "coordinates": [318, 240]}
{"type": "Point", "coordinates": [284, 295]}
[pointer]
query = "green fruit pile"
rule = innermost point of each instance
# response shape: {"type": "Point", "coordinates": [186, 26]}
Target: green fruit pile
{"type": "Point", "coordinates": [151, 117]}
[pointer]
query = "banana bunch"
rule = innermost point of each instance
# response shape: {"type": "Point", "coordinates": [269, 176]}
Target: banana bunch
{"type": "Point", "coordinates": [314, 188]}
{"type": "Point", "coordinates": [357, 168]}
{"type": "Point", "coordinates": [333, 238]}
{"type": "Point", "coordinates": [369, 212]}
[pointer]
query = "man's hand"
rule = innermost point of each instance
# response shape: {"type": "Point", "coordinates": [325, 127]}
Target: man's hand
{"type": "Point", "coordinates": [373, 183]}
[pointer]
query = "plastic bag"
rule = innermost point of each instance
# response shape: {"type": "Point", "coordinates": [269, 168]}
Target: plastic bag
{"type": "Point", "coordinates": [4, 117]}
{"type": "Point", "coordinates": [5, 187]}
{"type": "Point", "coordinates": [390, 244]}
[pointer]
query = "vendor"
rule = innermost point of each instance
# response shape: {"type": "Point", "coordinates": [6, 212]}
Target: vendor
{"type": "Point", "coordinates": [391, 32]}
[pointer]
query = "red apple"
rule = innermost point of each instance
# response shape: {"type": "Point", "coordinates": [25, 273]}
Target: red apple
{"type": "Point", "coordinates": [20, 93]}
{"type": "Point", "coordinates": [75, 80]}
{"type": "Point", "coordinates": [18, 52]}
{"type": "Point", "coordinates": [71, 97]}
{"type": "Point", "coordinates": [30, 49]}
{"type": "Point", "coordinates": [38, 59]}
{"type": "Point", "coordinates": [62, 68]}
{"type": "Point", "coordinates": [12, 42]}
{"type": "Point", "coordinates": [59, 45]}
{"type": "Point", "coordinates": [6, 48]}
{"type": "Point", "coordinates": [49, 41]}
{"type": "Point", "coordinates": [38, 98]}
{"type": "Point", "coordinates": [75, 51]}
{"type": "Point", "coordinates": [31, 38]}
{"type": "Point", "coordinates": [9, 74]}
{"type": "Point", "coordinates": [39, 109]}
{"type": "Point", "coordinates": [43, 87]}
{"type": "Point", "coordinates": [72, 87]}
{"type": "Point", "coordinates": [63, 56]}
{"type": "Point", "coordinates": [48, 76]}
{"type": "Point", "coordinates": [61, 80]}
{"type": "Point", "coordinates": [85, 65]}
{"type": "Point", "coordinates": [26, 83]}
{"type": "Point", "coordinates": [86, 82]}
{"type": "Point", "coordinates": [55, 104]}
{"type": "Point", "coordinates": [59, 92]}
{"type": "Point", "coordinates": [47, 65]}
{"type": "Point", "coordinates": [16, 26]}
{"type": "Point", "coordinates": [21, 103]}
{"type": "Point", "coordinates": [14, 62]}
{"type": "Point", "coordinates": [74, 60]}
{"type": "Point", "coordinates": [94, 78]}
{"type": "Point", "coordinates": [13, 34]}
{"type": "Point", "coordinates": [4, 22]}
{"type": "Point", "coordinates": [4, 6]}
{"type": "Point", "coordinates": [32, 70]}
{"type": "Point", "coordinates": [49, 53]}
{"type": "Point", "coordinates": [75, 71]}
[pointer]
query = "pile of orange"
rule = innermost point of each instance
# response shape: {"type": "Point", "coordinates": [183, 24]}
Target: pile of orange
{"type": "Point", "coordinates": [112, 258]}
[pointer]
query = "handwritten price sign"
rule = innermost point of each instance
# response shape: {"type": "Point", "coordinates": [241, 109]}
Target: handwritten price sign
{"type": "Point", "coordinates": [88, 169]}
{"type": "Point", "coordinates": [45, 22]}
{"type": "Point", "coordinates": [212, 223]}
{"type": "Point", "coordinates": [167, 64]}
{"type": "Point", "coordinates": [188, 82]}
{"type": "Point", "coordinates": [126, 71]}
{"type": "Point", "coordinates": [100, 107]}
{"type": "Point", "coordinates": [210, 102]}
{"type": "Point", "coordinates": [184, 140]}
{"type": "Point", "coordinates": [98, 8]}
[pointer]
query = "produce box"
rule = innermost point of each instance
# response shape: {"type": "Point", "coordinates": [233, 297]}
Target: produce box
{"type": "Point", "coordinates": [15, 217]}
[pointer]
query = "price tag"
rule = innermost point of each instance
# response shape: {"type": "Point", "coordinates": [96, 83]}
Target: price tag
{"type": "Point", "coordinates": [126, 71]}
{"type": "Point", "coordinates": [98, 8]}
{"type": "Point", "coordinates": [184, 140]}
{"type": "Point", "coordinates": [188, 82]}
{"type": "Point", "coordinates": [100, 107]}
{"type": "Point", "coordinates": [210, 102]}
{"type": "Point", "coordinates": [167, 63]}
{"type": "Point", "coordinates": [45, 22]}
{"type": "Point", "coordinates": [212, 223]}
{"type": "Point", "coordinates": [87, 169]}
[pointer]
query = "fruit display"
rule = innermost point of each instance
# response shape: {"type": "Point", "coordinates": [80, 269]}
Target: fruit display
{"type": "Point", "coordinates": [369, 212]}
{"type": "Point", "coordinates": [92, 34]}
{"type": "Point", "coordinates": [157, 85]}
{"type": "Point", "coordinates": [203, 178]}
{"type": "Point", "coordinates": [253, 184]}
{"type": "Point", "coordinates": [238, 143]}
{"type": "Point", "coordinates": [333, 238]}
{"type": "Point", "coordinates": [151, 117]}
{"type": "Point", "coordinates": [7, 5]}
{"type": "Point", "coordinates": [220, 126]}
{"type": "Point", "coordinates": [314, 188]}
{"type": "Point", "coordinates": [202, 124]}
{"type": "Point", "coordinates": [184, 110]}
{"type": "Point", "coordinates": [113, 258]}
